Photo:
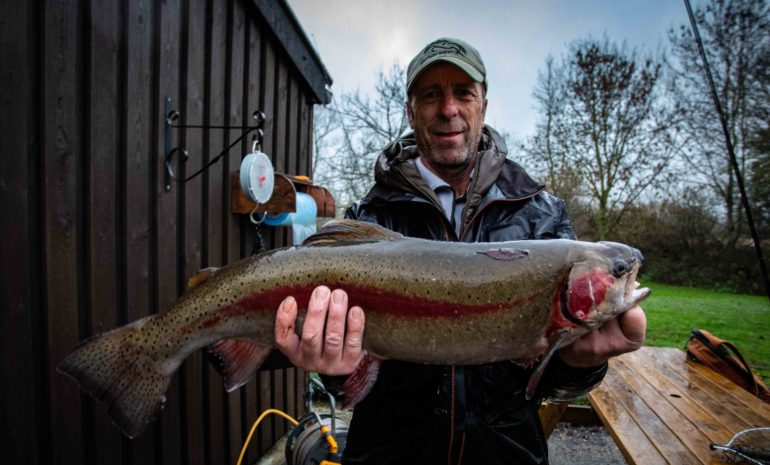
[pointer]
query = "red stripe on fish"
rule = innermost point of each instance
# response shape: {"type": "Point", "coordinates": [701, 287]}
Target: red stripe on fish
{"type": "Point", "coordinates": [368, 298]}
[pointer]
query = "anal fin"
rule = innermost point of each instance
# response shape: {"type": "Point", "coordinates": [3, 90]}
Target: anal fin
{"type": "Point", "coordinates": [238, 360]}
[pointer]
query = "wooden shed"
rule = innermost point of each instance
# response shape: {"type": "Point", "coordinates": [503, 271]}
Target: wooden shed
{"type": "Point", "coordinates": [91, 239]}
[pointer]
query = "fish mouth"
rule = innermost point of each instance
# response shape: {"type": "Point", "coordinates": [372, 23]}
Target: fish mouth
{"type": "Point", "coordinates": [595, 294]}
{"type": "Point", "coordinates": [633, 295]}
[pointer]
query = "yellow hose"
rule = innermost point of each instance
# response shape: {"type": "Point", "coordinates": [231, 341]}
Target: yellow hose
{"type": "Point", "coordinates": [254, 428]}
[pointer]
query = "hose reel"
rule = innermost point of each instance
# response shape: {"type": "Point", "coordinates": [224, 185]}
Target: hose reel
{"type": "Point", "coordinates": [318, 439]}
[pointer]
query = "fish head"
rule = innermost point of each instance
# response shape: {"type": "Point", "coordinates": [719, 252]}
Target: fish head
{"type": "Point", "coordinates": [603, 284]}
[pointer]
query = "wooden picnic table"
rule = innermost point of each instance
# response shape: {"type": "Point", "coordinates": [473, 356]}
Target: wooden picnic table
{"type": "Point", "coordinates": [661, 408]}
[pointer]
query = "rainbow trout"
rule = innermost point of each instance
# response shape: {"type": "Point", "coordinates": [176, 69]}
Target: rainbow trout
{"type": "Point", "coordinates": [425, 301]}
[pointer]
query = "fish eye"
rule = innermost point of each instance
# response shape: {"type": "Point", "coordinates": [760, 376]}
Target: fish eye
{"type": "Point", "coordinates": [619, 268]}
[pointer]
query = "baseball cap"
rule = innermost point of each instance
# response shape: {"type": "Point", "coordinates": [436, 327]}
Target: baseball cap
{"type": "Point", "coordinates": [455, 51]}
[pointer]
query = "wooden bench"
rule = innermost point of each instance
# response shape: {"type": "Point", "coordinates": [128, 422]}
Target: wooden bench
{"type": "Point", "coordinates": [663, 409]}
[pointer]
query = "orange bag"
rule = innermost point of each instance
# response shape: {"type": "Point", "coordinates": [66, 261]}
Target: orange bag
{"type": "Point", "coordinates": [724, 358]}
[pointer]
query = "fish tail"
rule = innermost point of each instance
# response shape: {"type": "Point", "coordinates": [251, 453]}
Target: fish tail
{"type": "Point", "coordinates": [117, 370]}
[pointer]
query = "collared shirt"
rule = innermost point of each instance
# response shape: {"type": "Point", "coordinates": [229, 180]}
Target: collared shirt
{"type": "Point", "coordinates": [453, 207]}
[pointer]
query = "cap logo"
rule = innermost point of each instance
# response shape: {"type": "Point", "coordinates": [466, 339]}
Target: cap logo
{"type": "Point", "coordinates": [442, 47]}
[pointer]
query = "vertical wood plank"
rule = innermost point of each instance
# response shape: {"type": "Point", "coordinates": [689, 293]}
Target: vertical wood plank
{"type": "Point", "coordinates": [105, 141]}
{"type": "Point", "coordinates": [23, 411]}
{"type": "Point", "coordinates": [232, 162]}
{"type": "Point", "coordinates": [284, 162]}
{"type": "Point", "coordinates": [137, 188]}
{"type": "Point", "coordinates": [217, 213]}
{"type": "Point", "coordinates": [290, 125]}
{"type": "Point", "coordinates": [281, 116]}
{"type": "Point", "coordinates": [304, 162]}
{"type": "Point", "coordinates": [167, 281]}
{"type": "Point", "coordinates": [267, 98]}
{"type": "Point", "coordinates": [192, 84]}
{"type": "Point", "coordinates": [61, 174]}
{"type": "Point", "coordinates": [288, 376]}
{"type": "Point", "coordinates": [279, 134]}
{"type": "Point", "coordinates": [304, 140]}
{"type": "Point", "coordinates": [253, 57]}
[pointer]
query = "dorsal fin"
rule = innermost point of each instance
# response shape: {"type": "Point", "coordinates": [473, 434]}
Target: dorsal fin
{"type": "Point", "coordinates": [350, 230]}
{"type": "Point", "coordinates": [201, 277]}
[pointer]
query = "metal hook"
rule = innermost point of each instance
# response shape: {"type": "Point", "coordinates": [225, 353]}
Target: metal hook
{"type": "Point", "coordinates": [172, 116]}
{"type": "Point", "coordinates": [251, 215]}
{"type": "Point", "coordinates": [257, 141]}
{"type": "Point", "coordinates": [169, 172]}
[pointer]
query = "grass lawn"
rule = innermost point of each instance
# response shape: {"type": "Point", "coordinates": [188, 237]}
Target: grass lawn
{"type": "Point", "coordinates": [672, 312]}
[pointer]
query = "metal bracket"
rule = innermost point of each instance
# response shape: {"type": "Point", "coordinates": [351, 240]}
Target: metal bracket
{"type": "Point", "coordinates": [173, 115]}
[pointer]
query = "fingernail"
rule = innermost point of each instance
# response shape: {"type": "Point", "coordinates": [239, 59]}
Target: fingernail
{"type": "Point", "coordinates": [320, 292]}
{"type": "Point", "coordinates": [287, 302]}
{"type": "Point", "coordinates": [338, 297]}
{"type": "Point", "coordinates": [356, 313]}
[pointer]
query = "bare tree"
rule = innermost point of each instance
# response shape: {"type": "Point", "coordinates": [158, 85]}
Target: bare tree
{"type": "Point", "coordinates": [604, 129]}
{"type": "Point", "coordinates": [544, 154]}
{"type": "Point", "coordinates": [736, 36]}
{"type": "Point", "coordinates": [361, 126]}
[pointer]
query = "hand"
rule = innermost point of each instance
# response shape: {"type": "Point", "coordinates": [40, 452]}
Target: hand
{"type": "Point", "coordinates": [339, 350]}
{"type": "Point", "coordinates": [624, 333]}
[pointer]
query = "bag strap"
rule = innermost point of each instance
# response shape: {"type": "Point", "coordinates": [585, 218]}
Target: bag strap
{"type": "Point", "coordinates": [715, 344]}
{"type": "Point", "coordinates": [750, 374]}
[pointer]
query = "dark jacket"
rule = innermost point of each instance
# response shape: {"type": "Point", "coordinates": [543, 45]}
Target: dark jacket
{"type": "Point", "coordinates": [477, 414]}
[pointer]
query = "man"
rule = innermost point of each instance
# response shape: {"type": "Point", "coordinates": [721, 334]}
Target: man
{"type": "Point", "coordinates": [449, 180]}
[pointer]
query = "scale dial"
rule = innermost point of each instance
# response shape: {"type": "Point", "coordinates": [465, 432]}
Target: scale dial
{"type": "Point", "coordinates": [257, 177]}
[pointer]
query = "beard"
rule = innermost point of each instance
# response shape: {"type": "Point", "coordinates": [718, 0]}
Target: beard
{"type": "Point", "coordinates": [450, 156]}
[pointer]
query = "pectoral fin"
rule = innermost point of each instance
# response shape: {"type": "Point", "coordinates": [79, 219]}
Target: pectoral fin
{"type": "Point", "coordinates": [361, 381]}
{"type": "Point", "coordinates": [534, 379]}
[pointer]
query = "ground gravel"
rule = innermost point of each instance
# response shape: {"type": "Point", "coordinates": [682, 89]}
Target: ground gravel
{"type": "Point", "coordinates": [583, 445]}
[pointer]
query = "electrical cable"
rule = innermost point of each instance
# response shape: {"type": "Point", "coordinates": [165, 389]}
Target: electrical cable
{"type": "Point", "coordinates": [254, 428]}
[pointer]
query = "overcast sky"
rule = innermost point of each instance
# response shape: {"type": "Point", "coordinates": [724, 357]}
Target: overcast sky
{"type": "Point", "coordinates": [355, 39]}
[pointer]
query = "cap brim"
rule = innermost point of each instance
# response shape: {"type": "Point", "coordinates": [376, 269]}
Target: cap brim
{"type": "Point", "coordinates": [472, 72]}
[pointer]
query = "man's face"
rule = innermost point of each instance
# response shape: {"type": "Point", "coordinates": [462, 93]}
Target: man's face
{"type": "Point", "coordinates": [446, 111]}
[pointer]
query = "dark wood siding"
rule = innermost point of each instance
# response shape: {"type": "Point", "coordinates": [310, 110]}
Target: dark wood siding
{"type": "Point", "coordinates": [90, 239]}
